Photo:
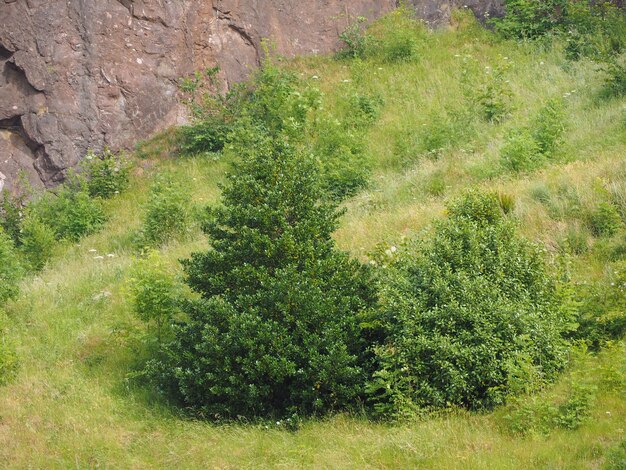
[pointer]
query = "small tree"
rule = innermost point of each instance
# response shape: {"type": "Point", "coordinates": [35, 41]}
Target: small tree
{"type": "Point", "coordinates": [276, 329]}
{"type": "Point", "coordinates": [154, 292]}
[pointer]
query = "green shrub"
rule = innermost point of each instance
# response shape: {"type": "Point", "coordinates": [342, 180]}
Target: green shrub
{"type": "Point", "coordinates": [107, 174]}
{"type": "Point", "coordinates": [604, 220]}
{"type": "Point", "coordinates": [530, 19]}
{"type": "Point", "coordinates": [457, 312]}
{"type": "Point", "coordinates": [10, 268]}
{"type": "Point", "coordinates": [276, 330]}
{"type": "Point", "coordinates": [549, 126]}
{"type": "Point", "coordinates": [400, 46]}
{"type": "Point", "coordinates": [344, 166]}
{"type": "Point", "coordinates": [11, 212]}
{"type": "Point", "coordinates": [275, 102]}
{"type": "Point", "coordinates": [594, 30]}
{"type": "Point", "coordinates": [614, 68]}
{"type": "Point", "coordinates": [616, 457]}
{"type": "Point", "coordinates": [443, 130]}
{"type": "Point", "coordinates": [573, 412]}
{"type": "Point", "coordinates": [363, 109]}
{"type": "Point", "coordinates": [397, 37]}
{"type": "Point", "coordinates": [167, 212]}
{"type": "Point", "coordinates": [520, 151]}
{"type": "Point", "coordinates": [488, 89]}
{"type": "Point", "coordinates": [602, 308]}
{"type": "Point", "coordinates": [154, 292]}
{"type": "Point", "coordinates": [8, 358]}
{"type": "Point", "coordinates": [70, 212]}
{"type": "Point", "coordinates": [37, 242]}
{"type": "Point", "coordinates": [206, 136]}
{"type": "Point", "coordinates": [436, 184]}
{"type": "Point", "coordinates": [576, 241]}
{"type": "Point", "coordinates": [355, 40]}
{"type": "Point", "coordinates": [534, 415]}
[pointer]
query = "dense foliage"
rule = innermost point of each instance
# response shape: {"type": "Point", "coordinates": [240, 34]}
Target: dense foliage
{"type": "Point", "coordinates": [70, 211]}
{"type": "Point", "coordinates": [276, 329]}
{"type": "Point", "coordinates": [530, 19]}
{"type": "Point", "coordinates": [463, 314]}
{"type": "Point", "coordinates": [278, 101]}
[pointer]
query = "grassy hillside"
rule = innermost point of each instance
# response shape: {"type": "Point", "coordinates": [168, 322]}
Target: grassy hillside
{"type": "Point", "coordinates": [72, 403]}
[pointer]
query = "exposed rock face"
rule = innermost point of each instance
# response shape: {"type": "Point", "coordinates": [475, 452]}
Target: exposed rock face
{"type": "Point", "coordinates": [81, 74]}
{"type": "Point", "coordinates": [436, 12]}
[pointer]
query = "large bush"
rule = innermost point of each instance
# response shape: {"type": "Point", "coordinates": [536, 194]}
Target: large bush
{"type": "Point", "coordinates": [276, 329]}
{"type": "Point", "coordinates": [463, 314]}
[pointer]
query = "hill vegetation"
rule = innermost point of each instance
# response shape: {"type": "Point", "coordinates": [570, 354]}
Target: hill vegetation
{"type": "Point", "coordinates": [409, 254]}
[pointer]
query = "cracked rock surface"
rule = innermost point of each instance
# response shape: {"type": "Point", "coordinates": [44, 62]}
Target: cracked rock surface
{"type": "Point", "coordinates": [81, 74]}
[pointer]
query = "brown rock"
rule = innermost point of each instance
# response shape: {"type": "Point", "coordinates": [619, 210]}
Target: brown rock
{"type": "Point", "coordinates": [78, 75]}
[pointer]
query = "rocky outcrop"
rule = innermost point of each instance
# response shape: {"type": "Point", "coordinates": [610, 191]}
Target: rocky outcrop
{"type": "Point", "coordinates": [437, 12]}
{"type": "Point", "coordinates": [81, 74]}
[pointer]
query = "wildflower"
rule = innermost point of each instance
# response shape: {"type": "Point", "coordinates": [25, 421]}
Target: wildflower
{"type": "Point", "coordinates": [98, 257]}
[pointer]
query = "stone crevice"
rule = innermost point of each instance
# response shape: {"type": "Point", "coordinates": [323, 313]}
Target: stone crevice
{"type": "Point", "coordinates": [80, 74]}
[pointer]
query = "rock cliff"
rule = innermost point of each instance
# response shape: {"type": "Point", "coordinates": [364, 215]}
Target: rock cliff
{"type": "Point", "coordinates": [81, 74]}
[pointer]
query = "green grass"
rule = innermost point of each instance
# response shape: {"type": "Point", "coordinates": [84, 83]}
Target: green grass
{"type": "Point", "coordinates": [71, 404]}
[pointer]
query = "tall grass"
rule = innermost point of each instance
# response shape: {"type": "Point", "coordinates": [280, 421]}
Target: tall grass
{"type": "Point", "coordinates": [72, 405]}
